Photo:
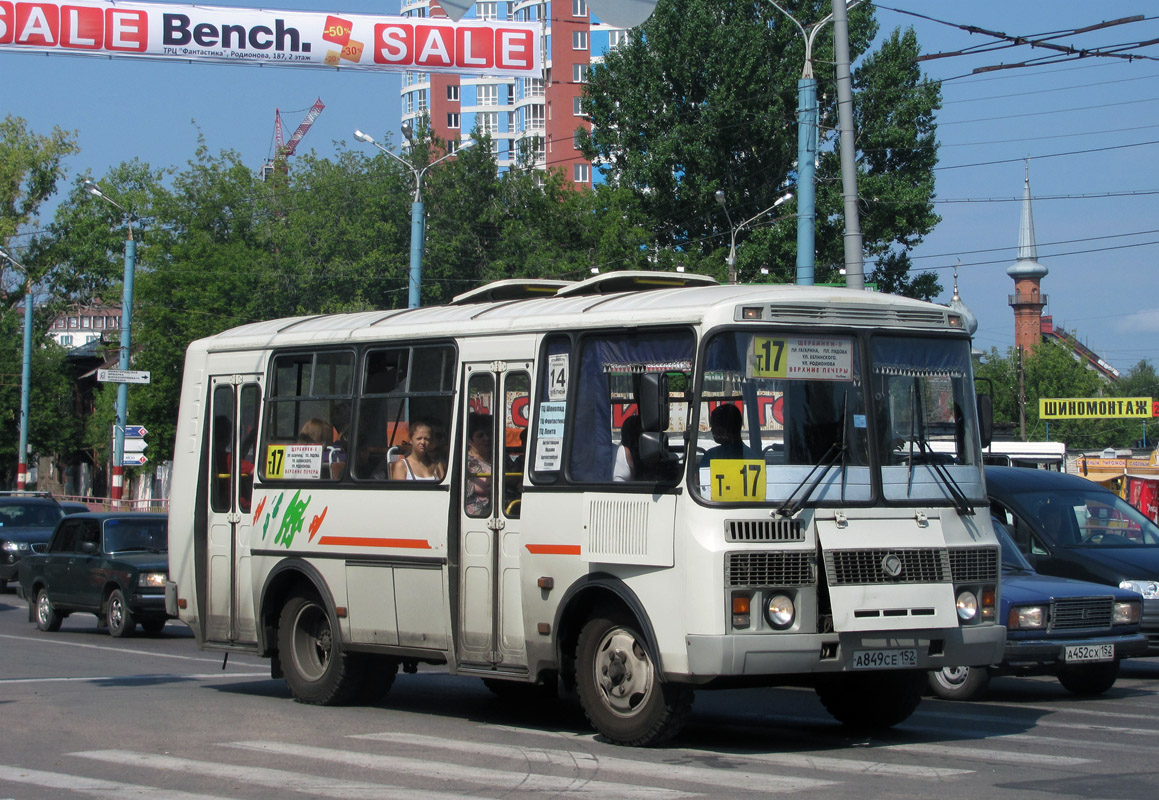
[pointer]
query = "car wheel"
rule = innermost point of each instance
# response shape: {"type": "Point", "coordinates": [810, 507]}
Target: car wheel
{"type": "Point", "coordinates": [118, 617]}
{"type": "Point", "coordinates": [620, 688]}
{"type": "Point", "coordinates": [47, 618]}
{"type": "Point", "coordinates": [316, 668]}
{"type": "Point", "coordinates": [1089, 679]}
{"type": "Point", "coordinates": [152, 627]}
{"type": "Point", "coordinates": [959, 683]}
{"type": "Point", "coordinates": [873, 700]}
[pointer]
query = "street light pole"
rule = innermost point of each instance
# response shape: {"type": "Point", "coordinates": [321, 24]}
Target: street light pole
{"type": "Point", "coordinates": [126, 318]}
{"type": "Point", "coordinates": [735, 229]}
{"type": "Point", "coordinates": [807, 150]}
{"type": "Point", "coordinates": [26, 374]}
{"type": "Point", "coordinates": [418, 222]}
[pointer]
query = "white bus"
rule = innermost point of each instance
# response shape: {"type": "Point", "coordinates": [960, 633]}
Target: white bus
{"type": "Point", "coordinates": [1032, 455]}
{"type": "Point", "coordinates": [584, 530]}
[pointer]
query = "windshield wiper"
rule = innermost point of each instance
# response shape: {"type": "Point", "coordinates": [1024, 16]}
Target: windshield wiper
{"type": "Point", "coordinates": [835, 451]}
{"type": "Point", "coordinates": [918, 437]}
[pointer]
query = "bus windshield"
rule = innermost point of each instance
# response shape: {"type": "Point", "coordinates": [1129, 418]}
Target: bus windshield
{"type": "Point", "coordinates": [802, 419]}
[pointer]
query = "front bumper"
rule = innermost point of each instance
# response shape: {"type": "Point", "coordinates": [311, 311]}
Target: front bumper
{"type": "Point", "coordinates": [148, 606]}
{"type": "Point", "coordinates": [9, 567]}
{"type": "Point", "coordinates": [1049, 652]}
{"type": "Point", "coordinates": [789, 654]}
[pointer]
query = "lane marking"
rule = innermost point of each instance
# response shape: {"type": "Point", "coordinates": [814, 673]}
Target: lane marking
{"type": "Point", "coordinates": [314, 785]}
{"type": "Point", "coordinates": [601, 764]}
{"type": "Point", "coordinates": [496, 780]}
{"type": "Point", "coordinates": [978, 754]}
{"type": "Point", "coordinates": [45, 640]}
{"type": "Point", "coordinates": [212, 676]}
{"type": "Point", "coordinates": [800, 760]}
{"type": "Point", "coordinates": [95, 786]}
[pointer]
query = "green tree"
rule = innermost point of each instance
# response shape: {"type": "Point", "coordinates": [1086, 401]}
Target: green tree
{"type": "Point", "coordinates": [676, 124]}
{"type": "Point", "coordinates": [30, 167]}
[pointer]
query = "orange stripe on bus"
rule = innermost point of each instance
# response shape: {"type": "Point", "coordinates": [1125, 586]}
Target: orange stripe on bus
{"type": "Point", "coordinates": [554, 549]}
{"type": "Point", "coordinates": [360, 541]}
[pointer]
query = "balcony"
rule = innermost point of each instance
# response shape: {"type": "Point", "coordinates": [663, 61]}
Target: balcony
{"type": "Point", "coordinates": [1018, 299]}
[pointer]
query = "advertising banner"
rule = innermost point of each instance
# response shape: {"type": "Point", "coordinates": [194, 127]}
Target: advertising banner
{"type": "Point", "coordinates": [273, 38]}
{"type": "Point", "coordinates": [1143, 494]}
{"type": "Point", "coordinates": [1094, 407]}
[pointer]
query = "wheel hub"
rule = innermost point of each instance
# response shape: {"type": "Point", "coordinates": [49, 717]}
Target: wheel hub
{"type": "Point", "coordinates": [623, 672]}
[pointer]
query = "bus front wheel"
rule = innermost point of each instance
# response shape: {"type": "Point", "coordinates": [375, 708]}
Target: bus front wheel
{"type": "Point", "coordinates": [316, 668]}
{"type": "Point", "coordinates": [872, 700]}
{"type": "Point", "coordinates": [620, 688]}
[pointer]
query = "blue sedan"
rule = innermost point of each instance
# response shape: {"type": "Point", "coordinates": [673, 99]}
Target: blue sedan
{"type": "Point", "coordinates": [1075, 630]}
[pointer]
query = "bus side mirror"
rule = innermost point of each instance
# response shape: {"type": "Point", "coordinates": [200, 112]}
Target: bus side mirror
{"type": "Point", "coordinates": [652, 400]}
{"type": "Point", "coordinates": [653, 447]}
{"type": "Point", "coordinates": [985, 418]}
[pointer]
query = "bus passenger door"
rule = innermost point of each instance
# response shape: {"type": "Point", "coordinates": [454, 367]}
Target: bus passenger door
{"type": "Point", "coordinates": [491, 630]}
{"type": "Point", "coordinates": [235, 401]}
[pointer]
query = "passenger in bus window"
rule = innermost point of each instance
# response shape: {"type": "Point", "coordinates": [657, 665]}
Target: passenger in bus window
{"type": "Point", "coordinates": [418, 465]}
{"type": "Point", "coordinates": [318, 431]}
{"type": "Point", "coordinates": [628, 453]}
{"type": "Point", "coordinates": [479, 456]}
{"type": "Point", "coordinates": [725, 423]}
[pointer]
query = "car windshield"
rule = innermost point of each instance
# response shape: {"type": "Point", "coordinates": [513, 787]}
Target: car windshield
{"type": "Point", "coordinates": [793, 419]}
{"type": "Point", "coordinates": [136, 534]}
{"type": "Point", "coordinates": [1091, 517]}
{"type": "Point", "coordinates": [29, 515]}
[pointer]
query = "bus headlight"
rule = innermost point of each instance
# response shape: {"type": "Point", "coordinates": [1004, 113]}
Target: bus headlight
{"type": "Point", "coordinates": [967, 606]}
{"type": "Point", "coordinates": [780, 611]}
{"type": "Point", "coordinates": [1026, 617]}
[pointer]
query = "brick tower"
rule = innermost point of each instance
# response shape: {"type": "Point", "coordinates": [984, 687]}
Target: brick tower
{"type": "Point", "coordinates": [1028, 299]}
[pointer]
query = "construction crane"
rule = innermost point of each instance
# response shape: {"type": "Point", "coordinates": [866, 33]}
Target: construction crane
{"type": "Point", "coordinates": [284, 149]}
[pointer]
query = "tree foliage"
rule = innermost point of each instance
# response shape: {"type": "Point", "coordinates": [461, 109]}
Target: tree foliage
{"type": "Point", "coordinates": [676, 125]}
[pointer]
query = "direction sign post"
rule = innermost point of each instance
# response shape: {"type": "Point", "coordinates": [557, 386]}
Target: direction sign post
{"type": "Point", "coordinates": [134, 460]}
{"type": "Point", "coordinates": [135, 445]}
{"type": "Point", "coordinates": [123, 376]}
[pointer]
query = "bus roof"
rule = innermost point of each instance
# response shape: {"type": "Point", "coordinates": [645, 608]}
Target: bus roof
{"type": "Point", "coordinates": [651, 303]}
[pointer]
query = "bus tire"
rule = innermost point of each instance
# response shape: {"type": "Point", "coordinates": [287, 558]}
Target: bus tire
{"type": "Point", "coordinates": [316, 668]}
{"type": "Point", "coordinates": [959, 683]}
{"type": "Point", "coordinates": [1089, 679]}
{"type": "Point", "coordinates": [872, 700]}
{"type": "Point", "coordinates": [378, 673]}
{"type": "Point", "coordinates": [620, 688]}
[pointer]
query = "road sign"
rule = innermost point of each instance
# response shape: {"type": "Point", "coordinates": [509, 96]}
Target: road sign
{"type": "Point", "coordinates": [135, 431]}
{"type": "Point", "coordinates": [122, 376]}
{"type": "Point", "coordinates": [135, 445]}
{"type": "Point", "coordinates": [133, 459]}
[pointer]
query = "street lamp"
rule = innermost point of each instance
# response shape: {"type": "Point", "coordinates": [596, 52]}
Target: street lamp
{"type": "Point", "coordinates": [418, 225]}
{"type": "Point", "coordinates": [126, 316]}
{"type": "Point", "coordinates": [26, 373]}
{"type": "Point", "coordinates": [735, 229]}
{"type": "Point", "coordinates": [806, 149]}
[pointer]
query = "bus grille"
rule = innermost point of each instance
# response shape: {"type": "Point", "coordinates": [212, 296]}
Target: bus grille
{"type": "Point", "coordinates": [918, 565]}
{"type": "Point", "coordinates": [1081, 612]}
{"type": "Point", "coordinates": [770, 569]}
{"type": "Point", "coordinates": [765, 530]}
{"type": "Point", "coordinates": [850, 314]}
{"type": "Point", "coordinates": [974, 564]}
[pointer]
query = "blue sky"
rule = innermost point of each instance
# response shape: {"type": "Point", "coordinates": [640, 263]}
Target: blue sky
{"type": "Point", "coordinates": [1090, 127]}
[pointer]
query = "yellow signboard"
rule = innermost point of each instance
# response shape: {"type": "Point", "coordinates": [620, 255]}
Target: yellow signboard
{"type": "Point", "coordinates": [1094, 407]}
{"type": "Point", "coordinates": [737, 480]}
{"type": "Point", "coordinates": [275, 461]}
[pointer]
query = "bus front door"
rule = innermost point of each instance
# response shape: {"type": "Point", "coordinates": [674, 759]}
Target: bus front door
{"type": "Point", "coordinates": [229, 606]}
{"type": "Point", "coordinates": [490, 606]}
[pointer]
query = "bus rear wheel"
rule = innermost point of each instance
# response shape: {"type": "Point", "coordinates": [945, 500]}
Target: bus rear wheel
{"type": "Point", "coordinates": [872, 700]}
{"type": "Point", "coordinates": [316, 668]}
{"type": "Point", "coordinates": [620, 688]}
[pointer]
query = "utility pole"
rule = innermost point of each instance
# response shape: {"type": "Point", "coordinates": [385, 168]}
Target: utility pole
{"type": "Point", "coordinates": [1021, 397]}
{"type": "Point", "coordinates": [854, 270]}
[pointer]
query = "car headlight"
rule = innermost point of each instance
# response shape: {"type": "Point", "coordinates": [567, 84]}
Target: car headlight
{"type": "Point", "coordinates": [15, 547]}
{"type": "Point", "coordinates": [1026, 617]}
{"type": "Point", "coordinates": [967, 606]}
{"type": "Point", "coordinates": [155, 580]}
{"type": "Point", "coordinates": [1127, 613]}
{"type": "Point", "coordinates": [1149, 589]}
{"type": "Point", "coordinates": [780, 611]}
